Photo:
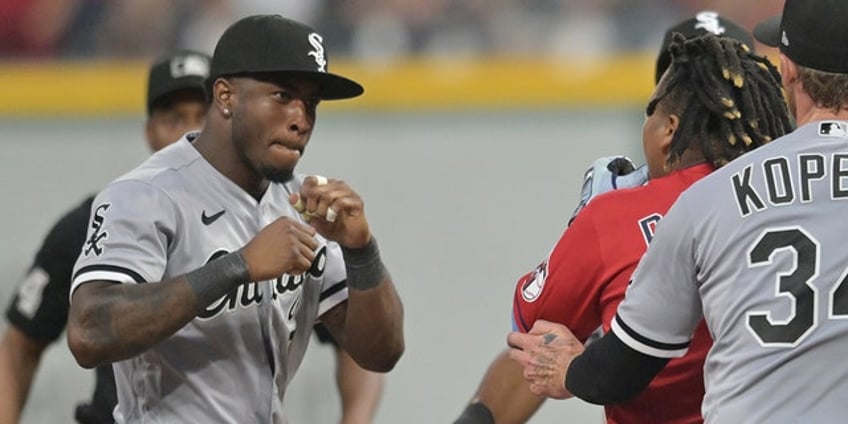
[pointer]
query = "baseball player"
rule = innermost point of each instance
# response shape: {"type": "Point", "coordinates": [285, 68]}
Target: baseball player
{"type": "Point", "coordinates": [757, 249]}
{"type": "Point", "coordinates": [204, 268]}
{"type": "Point", "coordinates": [359, 389]}
{"type": "Point", "coordinates": [582, 280]}
{"type": "Point", "coordinates": [38, 312]}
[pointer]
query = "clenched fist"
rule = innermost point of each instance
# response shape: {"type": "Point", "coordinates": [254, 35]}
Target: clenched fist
{"type": "Point", "coordinates": [334, 210]}
{"type": "Point", "coordinates": [284, 246]}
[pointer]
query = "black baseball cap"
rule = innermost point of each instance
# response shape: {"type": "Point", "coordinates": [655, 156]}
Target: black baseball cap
{"type": "Point", "coordinates": [813, 33]}
{"type": "Point", "coordinates": [704, 22]}
{"type": "Point", "coordinates": [184, 69]}
{"type": "Point", "coordinates": [274, 44]}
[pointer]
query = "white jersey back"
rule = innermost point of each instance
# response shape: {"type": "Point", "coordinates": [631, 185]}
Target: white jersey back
{"type": "Point", "coordinates": [760, 247]}
{"type": "Point", "coordinates": [169, 216]}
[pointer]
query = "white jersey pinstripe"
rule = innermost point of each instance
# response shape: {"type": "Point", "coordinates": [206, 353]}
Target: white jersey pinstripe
{"type": "Point", "coordinates": [167, 217]}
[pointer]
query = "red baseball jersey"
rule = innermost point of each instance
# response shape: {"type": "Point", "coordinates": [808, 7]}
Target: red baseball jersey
{"type": "Point", "coordinates": [583, 279]}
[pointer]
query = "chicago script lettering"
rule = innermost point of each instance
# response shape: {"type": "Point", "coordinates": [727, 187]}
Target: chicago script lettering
{"type": "Point", "coordinates": [248, 294]}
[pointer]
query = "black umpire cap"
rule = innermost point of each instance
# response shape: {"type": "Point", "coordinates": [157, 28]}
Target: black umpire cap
{"type": "Point", "coordinates": [184, 69]}
{"type": "Point", "coordinates": [704, 22]}
{"type": "Point", "coordinates": [274, 44]}
{"type": "Point", "coordinates": [813, 33]}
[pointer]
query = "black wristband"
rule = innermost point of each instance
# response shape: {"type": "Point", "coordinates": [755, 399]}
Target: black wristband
{"type": "Point", "coordinates": [365, 269]}
{"type": "Point", "coordinates": [476, 413]}
{"type": "Point", "coordinates": [218, 277]}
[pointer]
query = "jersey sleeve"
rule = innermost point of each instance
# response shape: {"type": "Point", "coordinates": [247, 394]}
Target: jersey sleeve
{"type": "Point", "coordinates": [334, 290]}
{"type": "Point", "coordinates": [662, 306]}
{"type": "Point", "coordinates": [130, 230]}
{"type": "Point", "coordinates": [566, 286]}
{"type": "Point", "coordinates": [39, 308]}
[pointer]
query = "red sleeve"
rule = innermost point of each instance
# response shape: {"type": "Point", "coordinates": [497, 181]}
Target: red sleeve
{"type": "Point", "coordinates": [565, 288]}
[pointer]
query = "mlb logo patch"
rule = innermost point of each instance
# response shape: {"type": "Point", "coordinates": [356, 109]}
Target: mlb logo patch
{"type": "Point", "coordinates": [833, 129]}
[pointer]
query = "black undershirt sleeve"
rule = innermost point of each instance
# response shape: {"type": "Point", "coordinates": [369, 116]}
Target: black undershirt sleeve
{"type": "Point", "coordinates": [610, 372]}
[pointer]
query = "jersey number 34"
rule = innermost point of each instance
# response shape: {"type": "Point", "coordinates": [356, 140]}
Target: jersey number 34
{"type": "Point", "coordinates": [796, 285]}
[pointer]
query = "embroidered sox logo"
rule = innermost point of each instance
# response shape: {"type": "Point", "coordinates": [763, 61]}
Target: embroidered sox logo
{"type": "Point", "coordinates": [315, 40]}
{"type": "Point", "coordinates": [708, 21]}
{"type": "Point", "coordinates": [97, 236]}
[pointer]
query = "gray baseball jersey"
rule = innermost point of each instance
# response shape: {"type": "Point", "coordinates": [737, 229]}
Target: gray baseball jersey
{"type": "Point", "coordinates": [169, 216]}
{"type": "Point", "coordinates": [759, 248]}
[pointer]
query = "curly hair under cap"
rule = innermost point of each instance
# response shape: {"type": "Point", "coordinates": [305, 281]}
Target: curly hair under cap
{"type": "Point", "coordinates": [827, 90]}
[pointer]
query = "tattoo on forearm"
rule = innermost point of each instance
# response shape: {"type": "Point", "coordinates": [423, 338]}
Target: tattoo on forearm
{"type": "Point", "coordinates": [101, 316]}
{"type": "Point", "coordinates": [143, 337]}
{"type": "Point", "coordinates": [116, 322]}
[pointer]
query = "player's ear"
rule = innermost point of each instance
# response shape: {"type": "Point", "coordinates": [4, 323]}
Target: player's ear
{"type": "Point", "coordinates": [671, 124]}
{"type": "Point", "coordinates": [788, 70]}
{"type": "Point", "coordinates": [222, 96]}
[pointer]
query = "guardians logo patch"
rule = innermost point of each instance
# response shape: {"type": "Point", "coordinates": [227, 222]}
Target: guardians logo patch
{"type": "Point", "coordinates": [534, 282]}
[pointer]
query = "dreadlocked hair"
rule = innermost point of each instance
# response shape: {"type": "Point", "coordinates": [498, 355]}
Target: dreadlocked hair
{"type": "Point", "coordinates": [729, 100]}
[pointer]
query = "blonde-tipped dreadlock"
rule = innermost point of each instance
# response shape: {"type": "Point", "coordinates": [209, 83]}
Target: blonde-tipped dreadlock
{"type": "Point", "coordinates": [729, 100]}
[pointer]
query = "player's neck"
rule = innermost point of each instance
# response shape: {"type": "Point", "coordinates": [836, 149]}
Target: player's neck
{"type": "Point", "coordinates": [816, 114]}
{"type": "Point", "coordinates": [688, 158]}
{"type": "Point", "coordinates": [221, 154]}
{"type": "Point", "coordinates": [806, 111]}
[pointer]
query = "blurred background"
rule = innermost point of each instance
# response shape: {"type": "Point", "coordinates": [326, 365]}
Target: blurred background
{"type": "Point", "coordinates": [469, 146]}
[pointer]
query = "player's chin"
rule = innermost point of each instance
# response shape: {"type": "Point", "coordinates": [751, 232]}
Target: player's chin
{"type": "Point", "coordinates": [277, 174]}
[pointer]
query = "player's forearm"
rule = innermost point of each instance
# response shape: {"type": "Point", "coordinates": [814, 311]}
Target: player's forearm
{"type": "Point", "coordinates": [505, 393]}
{"type": "Point", "coordinates": [374, 326]}
{"type": "Point", "coordinates": [19, 358]}
{"type": "Point", "coordinates": [110, 322]}
{"type": "Point", "coordinates": [374, 315]}
{"type": "Point", "coordinates": [610, 372]}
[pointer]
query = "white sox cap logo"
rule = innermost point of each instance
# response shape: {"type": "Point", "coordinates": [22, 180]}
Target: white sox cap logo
{"type": "Point", "coordinates": [708, 21]}
{"type": "Point", "coordinates": [315, 40]}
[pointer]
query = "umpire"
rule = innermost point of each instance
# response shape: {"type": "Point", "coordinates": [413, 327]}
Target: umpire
{"type": "Point", "coordinates": [38, 312]}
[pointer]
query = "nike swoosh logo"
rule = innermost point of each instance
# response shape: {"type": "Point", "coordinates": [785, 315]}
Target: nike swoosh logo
{"type": "Point", "coordinates": [207, 220]}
